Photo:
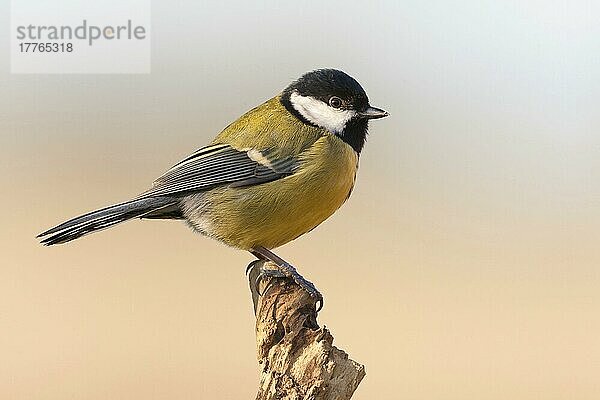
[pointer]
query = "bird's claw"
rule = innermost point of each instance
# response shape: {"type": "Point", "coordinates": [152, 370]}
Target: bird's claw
{"type": "Point", "coordinates": [273, 273]}
{"type": "Point", "coordinates": [287, 271]}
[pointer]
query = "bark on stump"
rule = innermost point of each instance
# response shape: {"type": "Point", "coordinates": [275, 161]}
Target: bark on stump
{"type": "Point", "coordinates": [297, 357]}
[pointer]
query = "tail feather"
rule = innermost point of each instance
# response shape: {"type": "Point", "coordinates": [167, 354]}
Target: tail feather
{"type": "Point", "coordinates": [102, 219]}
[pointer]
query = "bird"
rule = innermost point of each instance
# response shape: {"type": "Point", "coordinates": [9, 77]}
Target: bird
{"type": "Point", "coordinates": [274, 174]}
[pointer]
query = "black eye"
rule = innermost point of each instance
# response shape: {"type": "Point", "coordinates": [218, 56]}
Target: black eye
{"type": "Point", "coordinates": [335, 102]}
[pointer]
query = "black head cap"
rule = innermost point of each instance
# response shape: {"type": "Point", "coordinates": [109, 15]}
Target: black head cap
{"type": "Point", "coordinates": [322, 84]}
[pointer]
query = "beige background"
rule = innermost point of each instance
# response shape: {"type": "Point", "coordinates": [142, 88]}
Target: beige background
{"type": "Point", "coordinates": [465, 265]}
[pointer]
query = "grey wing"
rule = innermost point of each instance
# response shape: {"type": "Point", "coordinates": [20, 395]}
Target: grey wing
{"type": "Point", "coordinates": [218, 165]}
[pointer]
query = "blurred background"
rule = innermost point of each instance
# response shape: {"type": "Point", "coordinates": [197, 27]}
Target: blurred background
{"type": "Point", "coordinates": [464, 266]}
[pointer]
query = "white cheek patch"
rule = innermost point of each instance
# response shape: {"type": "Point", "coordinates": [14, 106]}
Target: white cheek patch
{"type": "Point", "coordinates": [321, 114]}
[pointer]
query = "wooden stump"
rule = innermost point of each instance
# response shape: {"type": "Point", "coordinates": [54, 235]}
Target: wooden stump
{"type": "Point", "coordinates": [297, 357]}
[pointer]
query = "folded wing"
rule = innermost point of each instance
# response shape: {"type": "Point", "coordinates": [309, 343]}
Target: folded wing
{"type": "Point", "coordinates": [220, 165]}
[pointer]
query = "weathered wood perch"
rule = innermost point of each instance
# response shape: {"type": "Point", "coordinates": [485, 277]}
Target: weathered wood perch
{"type": "Point", "coordinates": [297, 357]}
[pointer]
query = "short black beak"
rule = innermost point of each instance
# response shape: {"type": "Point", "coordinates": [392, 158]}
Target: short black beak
{"type": "Point", "coordinates": [373, 113]}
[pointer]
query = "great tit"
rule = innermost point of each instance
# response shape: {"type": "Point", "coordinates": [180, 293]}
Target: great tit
{"type": "Point", "coordinates": [272, 175]}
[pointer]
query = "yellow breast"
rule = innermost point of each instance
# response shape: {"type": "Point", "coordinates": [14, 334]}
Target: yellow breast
{"type": "Point", "coordinates": [277, 212]}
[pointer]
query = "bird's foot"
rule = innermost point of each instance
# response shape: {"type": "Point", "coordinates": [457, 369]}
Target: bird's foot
{"type": "Point", "coordinates": [279, 268]}
{"type": "Point", "coordinates": [288, 271]}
